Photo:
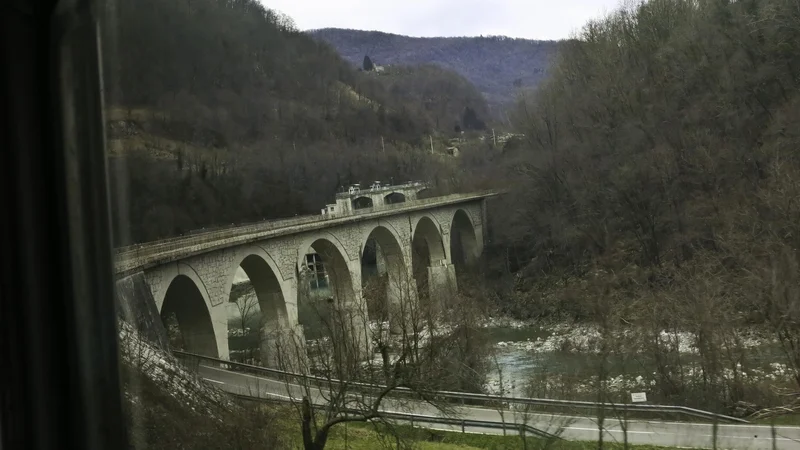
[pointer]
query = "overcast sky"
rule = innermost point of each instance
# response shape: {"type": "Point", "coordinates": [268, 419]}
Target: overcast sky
{"type": "Point", "coordinates": [532, 19]}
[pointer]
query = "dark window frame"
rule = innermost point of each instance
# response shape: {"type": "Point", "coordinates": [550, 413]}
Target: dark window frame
{"type": "Point", "coordinates": [60, 385]}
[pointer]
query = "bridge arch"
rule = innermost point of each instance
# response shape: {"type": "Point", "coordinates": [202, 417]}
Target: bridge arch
{"type": "Point", "coordinates": [362, 202]}
{"type": "Point", "coordinates": [428, 236]}
{"type": "Point", "coordinates": [464, 248]}
{"type": "Point", "coordinates": [386, 235]}
{"type": "Point", "coordinates": [427, 250]}
{"type": "Point", "coordinates": [386, 290]}
{"type": "Point", "coordinates": [186, 301]}
{"type": "Point", "coordinates": [271, 314]}
{"type": "Point", "coordinates": [335, 306]}
{"type": "Point", "coordinates": [394, 197]}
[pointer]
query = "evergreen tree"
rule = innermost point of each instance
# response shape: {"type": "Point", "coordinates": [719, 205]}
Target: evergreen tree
{"type": "Point", "coordinates": [471, 120]}
{"type": "Point", "coordinates": [368, 66]}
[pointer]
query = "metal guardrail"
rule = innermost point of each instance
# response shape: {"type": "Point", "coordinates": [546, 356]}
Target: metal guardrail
{"type": "Point", "coordinates": [464, 423]}
{"type": "Point", "coordinates": [422, 418]}
{"type": "Point", "coordinates": [463, 396]}
{"type": "Point", "coordinates": [161, 247]}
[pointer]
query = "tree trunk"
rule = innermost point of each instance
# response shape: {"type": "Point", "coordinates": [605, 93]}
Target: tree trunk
{"type": "Point", "coordinates": [322, 439]}
{"type": "Point", "coordinates": [308, 417]}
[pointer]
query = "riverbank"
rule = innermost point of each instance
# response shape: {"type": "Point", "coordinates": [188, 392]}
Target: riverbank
{"type": "Point", "coordinates": [569, 361]}
{"type": "Point", "coordinates": [577, 337]}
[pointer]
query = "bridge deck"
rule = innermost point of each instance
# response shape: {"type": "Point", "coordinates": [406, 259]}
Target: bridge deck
{"type": "Point", "coordinates": [139, 256]}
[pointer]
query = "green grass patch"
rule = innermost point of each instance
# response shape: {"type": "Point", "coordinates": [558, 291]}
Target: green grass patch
{"type": "Point", "coordinates": [367, 436]}
{"type": "Point", "coordinates": [360, 436]}
{"type": "Point", "coordinates": [784, 420]}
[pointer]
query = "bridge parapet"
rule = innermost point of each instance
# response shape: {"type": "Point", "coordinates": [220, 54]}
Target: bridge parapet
{"type": "Point", "coordinates": [355, 198]}
{"type": "Point", "coordinates": [385, 189]}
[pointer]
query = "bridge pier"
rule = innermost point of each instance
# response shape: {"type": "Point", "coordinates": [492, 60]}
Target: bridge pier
{"type": "Point", "coordinates": [341, 311]}
{"type": "Point", "coordinates": [219, 320]}
{"type": "Point", "coordinates": [442, 284]}
{"type": "Point", "coordinates": [401, 292]}
{"type": "Point", "coordinates": [402, 300]}
{"type": "Point", "coordinates": [355, 328]}
{"type": "Point", "coordinates": [284, 348]}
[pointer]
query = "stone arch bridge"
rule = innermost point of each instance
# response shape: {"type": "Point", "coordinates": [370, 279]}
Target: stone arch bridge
{"type": "Point", "coordinates": [421, 242]}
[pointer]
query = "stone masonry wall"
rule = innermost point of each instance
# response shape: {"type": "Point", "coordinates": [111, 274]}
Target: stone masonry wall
{"type": "Point", "coordinates": [212, 271]}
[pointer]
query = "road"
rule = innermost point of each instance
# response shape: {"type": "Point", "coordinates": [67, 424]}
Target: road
{"type": "Point", "coordinates": [667, 434]}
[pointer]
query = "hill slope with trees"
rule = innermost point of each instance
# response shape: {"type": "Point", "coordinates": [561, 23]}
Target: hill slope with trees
{"type": "Point", "coordinates": [222, 112]}
{"type": "Point", "coordinates": [656, 189]}
{"type": "Point", "coordinates": [497, 66]}
{"type": "Point", "coordinates": [447, 100]}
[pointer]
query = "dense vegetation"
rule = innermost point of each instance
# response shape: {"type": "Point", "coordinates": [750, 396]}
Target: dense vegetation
{"type": "Point", "coordinates": [156, 420]}
{"type": "Point", "coordinates": [498, 66]}
{"type": "Point", "coordinates": [652, 187]}
{"type": "Point", "coordinates": [444, 97]}
{"type": "Point", "coordinates": [657, 187]}
{"type": "Point", "coordinates": [176, 410]}
{"type": "Point", "coordinates": [222, 112]}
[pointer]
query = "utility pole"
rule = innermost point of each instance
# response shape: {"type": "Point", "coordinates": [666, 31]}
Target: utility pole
{"type": "Point", "coordinates": [494, 138]}
{"type": "Point", "coordinates": [431, 137]}
{"type": "Point", "coordinates": [383, 146]}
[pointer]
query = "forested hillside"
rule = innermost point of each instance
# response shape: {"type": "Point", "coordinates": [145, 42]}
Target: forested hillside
{"type": "Point", "coordinates": [498, 66]}
{"type": "Point", "coordinates": [224, 113]}
{"type": "Point", "coordinates": [658, 186]}
{"type": "Point", "coordinates": [444, 97]}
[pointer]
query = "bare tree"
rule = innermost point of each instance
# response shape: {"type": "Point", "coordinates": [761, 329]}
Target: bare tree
{"type": "Point", "coordinates": [355, 372]}
{"type": "Point", "coordinates": [247, 308]}
{"type": "Point", "coordinates": [501, 391]}
{"type": "Point", "coordinates": [526, 414]}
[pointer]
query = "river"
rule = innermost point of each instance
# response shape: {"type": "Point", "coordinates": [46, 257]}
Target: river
{"type": "Point", "coordinates": [555, 357]}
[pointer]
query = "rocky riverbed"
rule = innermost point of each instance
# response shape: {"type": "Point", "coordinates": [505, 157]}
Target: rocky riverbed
{"type": "Point", "coordinates": [561, 360]}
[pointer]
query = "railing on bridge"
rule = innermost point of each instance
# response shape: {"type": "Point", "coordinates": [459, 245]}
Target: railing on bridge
{"type": "Point", "coordinates": [199, 237]}
{"type": "Point", "coordinates": [490, 400]}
